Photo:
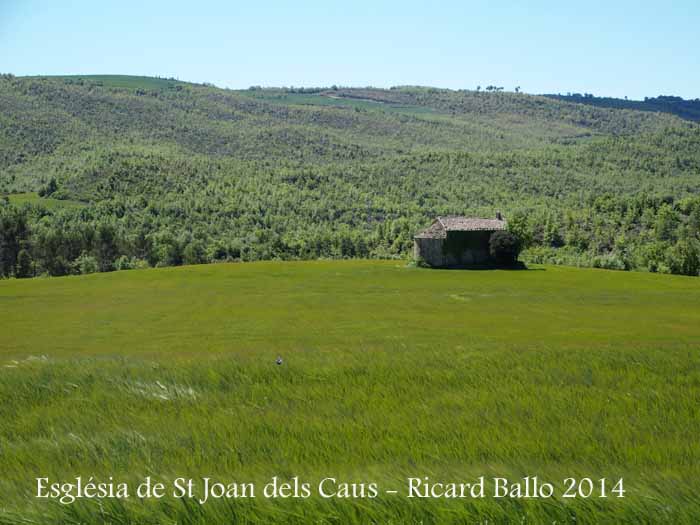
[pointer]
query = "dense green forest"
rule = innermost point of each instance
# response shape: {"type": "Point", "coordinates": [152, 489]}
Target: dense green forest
{"type": "Point", "coordinates": [109, 172]}
{"type": "Point", "coordinates": [686, 109]}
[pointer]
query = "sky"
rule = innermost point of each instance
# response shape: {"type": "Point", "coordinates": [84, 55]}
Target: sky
{"type": "Point", "coordinates": [613, 48]}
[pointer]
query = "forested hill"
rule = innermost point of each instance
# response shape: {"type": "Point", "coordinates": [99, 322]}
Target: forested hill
{"type": "Point", "coordinates": [140, 171]}
{"type": "Point", "coordinates": [686, 109]}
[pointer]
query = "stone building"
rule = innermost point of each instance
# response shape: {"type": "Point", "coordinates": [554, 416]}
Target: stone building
{"type": "Point", "coordinates": [457, 241]}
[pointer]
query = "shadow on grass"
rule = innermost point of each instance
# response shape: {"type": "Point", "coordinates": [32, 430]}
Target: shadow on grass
{"type": "Point", "coordinates": [518, 266]}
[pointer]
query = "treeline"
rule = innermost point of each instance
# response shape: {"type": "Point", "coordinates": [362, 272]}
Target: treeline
{"type": "Point", "coordinates": [655, 234]}
{"type": "Point", "coordinates": [35, 241]}
{"type": "Point", "coordinates": [685, 109]}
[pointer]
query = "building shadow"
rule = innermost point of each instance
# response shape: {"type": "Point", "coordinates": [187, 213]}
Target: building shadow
{"type": "Point", "coordinates": [517, 267]}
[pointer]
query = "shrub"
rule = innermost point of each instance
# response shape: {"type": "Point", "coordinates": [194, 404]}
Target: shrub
{"type": "Point", "coordinates": [123, 263]}
{"type": "Point", "coordinates": [609, 261]}
{"type": "Point", "coordinates": [86, 264]}
{"type": "Point", "coordinates": [504, 247]}
{"type": "Point", "coordinates": [133, 263]}
{"type": "Point", "coordinates": [419, 262]}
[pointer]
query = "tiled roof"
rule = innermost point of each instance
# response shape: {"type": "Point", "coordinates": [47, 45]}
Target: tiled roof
{"type": "Point", "coordinates": [434, 231]}
{"type": "Point", "coordinates": [468, 224]}
{"type": "Point", "coordinates": [439, 228]}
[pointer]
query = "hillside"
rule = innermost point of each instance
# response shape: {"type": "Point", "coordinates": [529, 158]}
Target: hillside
{"type": "Point", "coordinates": [171, 172]}
{"type": "Point", "coordinates": [685, 109]}
{"type": "Point", "coordinates": [115, 81]}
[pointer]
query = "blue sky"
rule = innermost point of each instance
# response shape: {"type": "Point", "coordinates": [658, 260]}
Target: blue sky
{"type": "Point", "coordinates": [614, 48]}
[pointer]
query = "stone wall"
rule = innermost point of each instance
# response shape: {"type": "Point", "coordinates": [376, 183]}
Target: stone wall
{"type": "Point", "coordinates": [458, 249]}
{"type": "Point", "coordinates": [429, 250]}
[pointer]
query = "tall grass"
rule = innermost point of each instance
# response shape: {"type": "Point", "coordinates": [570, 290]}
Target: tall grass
{"type": "Point", "coordinates": [387, 373]}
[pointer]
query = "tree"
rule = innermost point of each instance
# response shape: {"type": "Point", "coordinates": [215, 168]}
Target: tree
{"type": "Point", "coordinates": [106, 249]}
{"type": "Point", "coordinates": [666, 223]}
{"type": "Point", "coordinates": [167, 251]}
{"type": "Point", "coordinates": [518, 226]}
{"type": "Point", "coordinates": [57, 266]}
{"type": "Point", "coordinates": [49, 189]}
{"type": "Point", "coordinates": [24, 265]}
{"type": "Point", "coordinates": [552, 237]}
{"type": "Point", "coordinates": [504, 247]}
{"type": "Point", "coordinates": [14, 231]}
{"type": "Point", "coordinates": [194, 253]}
{"type": "Point", "coordinates": [684, 257]}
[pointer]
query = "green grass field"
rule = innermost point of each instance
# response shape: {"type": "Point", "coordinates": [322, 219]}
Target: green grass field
{"type": "Point", "coordinates": [389, 372]}
{"type": "Point", "coordinates": [19, 199]}
{"type": "Point", "coordinates": [315, 99]}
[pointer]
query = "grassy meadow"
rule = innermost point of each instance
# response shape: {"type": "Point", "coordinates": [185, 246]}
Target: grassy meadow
{"type": "Point", "coordinates": [388, 372]}
{"type": "Point", "coordinates": [20, 199]}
